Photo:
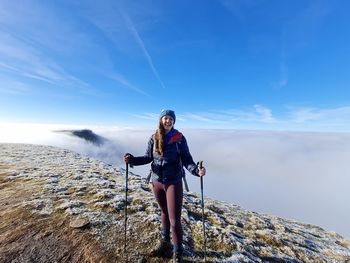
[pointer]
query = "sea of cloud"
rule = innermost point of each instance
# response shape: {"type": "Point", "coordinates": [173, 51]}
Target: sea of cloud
{"type": "Point", "coordinates": [302, 176]}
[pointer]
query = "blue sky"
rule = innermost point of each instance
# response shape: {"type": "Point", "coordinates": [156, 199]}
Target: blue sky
{"type": "Point", "coordinates": [263, 64]}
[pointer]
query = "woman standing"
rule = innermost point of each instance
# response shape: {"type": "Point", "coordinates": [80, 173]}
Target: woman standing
{"type": "Point", "coordinates": [168, 151]}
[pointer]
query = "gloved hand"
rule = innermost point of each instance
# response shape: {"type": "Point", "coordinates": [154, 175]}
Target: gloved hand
{"type": "Point", "coordinates": [129, 158]}
{"type": "Point", "coordinates": [200, 170]}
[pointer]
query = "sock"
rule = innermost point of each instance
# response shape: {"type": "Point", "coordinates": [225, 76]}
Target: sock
{"type": "Point", "coordinates": [166, 234]}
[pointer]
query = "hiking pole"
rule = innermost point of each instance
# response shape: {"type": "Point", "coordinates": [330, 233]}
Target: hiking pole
{"type": "Point", "coordinates": [126, 208]}
{"type": "Point", "coordinates": [204, 235]}
{"type": "Point", "coordinates": [186, 185]}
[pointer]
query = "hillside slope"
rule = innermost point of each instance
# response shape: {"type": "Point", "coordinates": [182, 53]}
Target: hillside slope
{"type": "Point", "coordinates": [58, 206]}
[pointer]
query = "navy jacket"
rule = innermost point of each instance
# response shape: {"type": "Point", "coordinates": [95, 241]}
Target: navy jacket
{"type": "Point", "coordinates": [169, 168]}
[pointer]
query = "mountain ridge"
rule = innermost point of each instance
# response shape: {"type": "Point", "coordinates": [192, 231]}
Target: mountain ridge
{"type": "Point", "coordinates": [62, 206]}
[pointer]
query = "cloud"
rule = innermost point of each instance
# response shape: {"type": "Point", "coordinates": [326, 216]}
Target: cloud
{"type": "Point", "coordinates": [283, 81]}
{"type": "Point", "coordinates": [330, 115]}
{"type": "Point", "coordinates": [258, 113]}
{"type": "Point", "coordinates": [283, 74]}
{"type": "Point", "coordinates": [239, 7]}
{"type": "Point", "coordinates": [113, 22]}
{"type": "Point", "coordinates": [13, 87]}
{"type": "Point", "coordinates": [265, 114]}
{"type": "Point", "coordinates": [262, 118]}
{"type": "Point", "coordinates": [198, 117]}
{"type": "Point", "coordinates": [28, 63]}
{"type": "Point", "coordinates": [53, 52]}
{"type": "Point", "coordinates": [146, 116]}
{"type": "Point", "coordinates": [27, 47]}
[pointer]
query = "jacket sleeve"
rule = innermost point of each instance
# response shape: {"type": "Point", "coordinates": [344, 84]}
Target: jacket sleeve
{"type": "Point", "coordinates": [147, 157]}
{"type": "Point", "coordinates": [186, 158]}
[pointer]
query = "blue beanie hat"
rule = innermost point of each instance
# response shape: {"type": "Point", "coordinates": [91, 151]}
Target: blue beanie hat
{"type": "Point", "coordinates": [170, 113]}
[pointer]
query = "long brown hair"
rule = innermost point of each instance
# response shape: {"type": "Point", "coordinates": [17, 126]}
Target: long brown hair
{"type": "Point", "coordinates": [159, 139]}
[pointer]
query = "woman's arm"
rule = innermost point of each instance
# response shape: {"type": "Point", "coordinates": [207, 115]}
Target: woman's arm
{"type": "Point", "coordinates": [186, 157]}
{"type": "Point", "coordinates": [144, 159]}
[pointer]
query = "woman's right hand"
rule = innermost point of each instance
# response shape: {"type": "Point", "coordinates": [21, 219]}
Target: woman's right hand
{"type": "Point", "coordinates": [128, 158]}
{"type": "Point", "coordinates": [201, 171]}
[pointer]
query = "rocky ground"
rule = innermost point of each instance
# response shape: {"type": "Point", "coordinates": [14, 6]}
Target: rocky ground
{"type": "Point", "coordinates": [58, 206]}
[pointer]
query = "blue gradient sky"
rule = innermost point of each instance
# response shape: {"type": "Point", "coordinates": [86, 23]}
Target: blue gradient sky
{"type": "Point", "coordinates": [263, 64]}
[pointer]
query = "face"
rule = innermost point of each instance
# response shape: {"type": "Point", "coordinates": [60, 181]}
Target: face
{"type": "Point", "coordinates": [167, 122]}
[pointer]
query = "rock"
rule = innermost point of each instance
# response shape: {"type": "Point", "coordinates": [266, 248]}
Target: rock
{"type": "Point", "coordinates": [87, 135]}
{"type": "Point", "coordinates": [79, 223]}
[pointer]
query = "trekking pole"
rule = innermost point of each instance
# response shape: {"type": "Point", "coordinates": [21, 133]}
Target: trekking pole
{"type": "Point", "coordinates": [186, 185]}
{"type": "Point", "coordinates": [204, 235]}
{"type": "Point", "coordinates": [126, 208]}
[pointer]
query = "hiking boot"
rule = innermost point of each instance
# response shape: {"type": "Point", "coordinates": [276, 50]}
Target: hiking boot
{"type": "Point", "coordinates": [164, 249]}
{"type": "Point", "coordinates": [177, 257]}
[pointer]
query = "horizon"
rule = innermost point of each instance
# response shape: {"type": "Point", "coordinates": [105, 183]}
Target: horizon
{"type": "Point", "coordinates": [10, 126]}
{"type": "Point", "coordinates": [260, 65]}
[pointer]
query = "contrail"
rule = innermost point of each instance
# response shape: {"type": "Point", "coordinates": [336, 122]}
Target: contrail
{"type": "Point", "coordinates": [118, 77]}
{"type": "Point", "coordinates": [142, 45]}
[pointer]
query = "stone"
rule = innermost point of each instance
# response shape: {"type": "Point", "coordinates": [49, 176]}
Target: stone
{"type": "Point", "coordinates": [79, 223]}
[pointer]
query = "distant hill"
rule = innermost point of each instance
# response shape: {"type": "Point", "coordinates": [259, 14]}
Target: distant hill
{"type": "Point", "coordinates": [59, 206]}
{"type": "Point", "coordinates": [87, 135]}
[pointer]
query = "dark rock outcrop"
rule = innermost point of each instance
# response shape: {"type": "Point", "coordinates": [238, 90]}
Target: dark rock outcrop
{"type": "Point", "coordinates": [58, 206]}
{"type": "Point", "coordinates": [87, 135]}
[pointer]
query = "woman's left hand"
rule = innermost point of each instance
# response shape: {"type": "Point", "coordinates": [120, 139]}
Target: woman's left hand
{"type": "Point", "coordinates": [201, 171]}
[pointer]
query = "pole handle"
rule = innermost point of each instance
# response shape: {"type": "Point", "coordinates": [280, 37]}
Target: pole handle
{"type": "Point", "coordinates": [200, 164]}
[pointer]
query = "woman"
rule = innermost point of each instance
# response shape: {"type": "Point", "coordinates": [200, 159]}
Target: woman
{"type": "Point", "coordinates": [168, 151]}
